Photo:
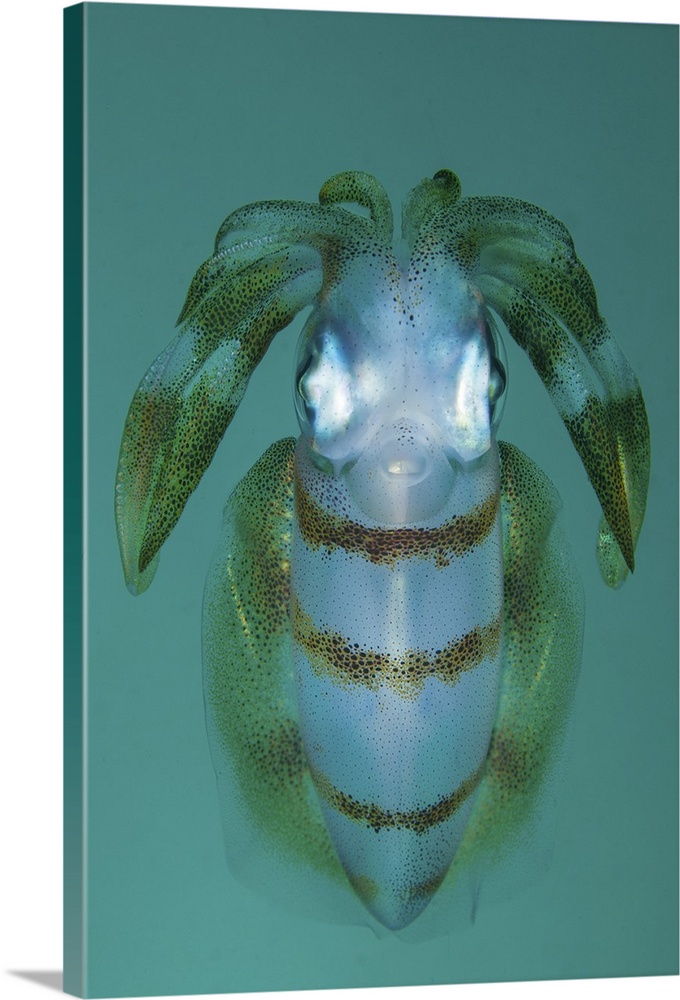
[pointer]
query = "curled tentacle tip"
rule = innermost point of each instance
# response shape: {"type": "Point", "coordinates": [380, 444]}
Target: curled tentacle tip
{"type": "Point", "coordinates": [447, 178]}
{"type": "Point", "coordinates": [448, 184]}
{"type": "Point", "coordinates": [360, 188]}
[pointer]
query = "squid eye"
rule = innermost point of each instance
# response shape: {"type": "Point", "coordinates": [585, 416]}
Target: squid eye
{"type": "Point", "coordinates": [303, 402]}
{"type": "Point", "coordinates": [328, 388]}
{"type": "Point", "coordinates": [497, 381]}
{"type": "Point", "coordinates": [498, 377]}
{"type": "Point", "coordinates": [340, 387]}
{"type": "Point", "coordinates": [325, 389]}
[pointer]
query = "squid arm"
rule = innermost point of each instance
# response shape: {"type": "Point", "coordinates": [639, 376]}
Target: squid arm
{"type": "Point", "coordinates": [524, 263]}
{"type": "Point", "coordinates": [272, 259]}
{"type": "Point", "coordinates": [266, 267]}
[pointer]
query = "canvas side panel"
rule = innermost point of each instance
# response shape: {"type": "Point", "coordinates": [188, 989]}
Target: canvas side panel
{"type": "Point", "coordinates": [73, 501]}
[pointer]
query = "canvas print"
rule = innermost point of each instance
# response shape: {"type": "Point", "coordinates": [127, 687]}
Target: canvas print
{"type": "Point", "coordinates": [351, 710]}
{"type": "Point", "coordinates": [391, 628]}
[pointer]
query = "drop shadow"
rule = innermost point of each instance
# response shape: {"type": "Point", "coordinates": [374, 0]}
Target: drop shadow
{"type": "Point", "coordinates": [53, 980]}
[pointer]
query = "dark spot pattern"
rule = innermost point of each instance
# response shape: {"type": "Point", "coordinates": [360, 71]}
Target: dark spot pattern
{"type": "Point", "coordinates": [543, 620]}
{"type": "Point", "coordinates": [524, 263]}
{"type": "Point", "coordinates": [273, 258]}
{"type": "Point", "coordinates": [248, 672]}
{"type": "Point", "coordinates": [333, 655]}
{"type": "Point", "coordinates": [323, 528]}
{"type": "Point", "coordinates": [419, 820]}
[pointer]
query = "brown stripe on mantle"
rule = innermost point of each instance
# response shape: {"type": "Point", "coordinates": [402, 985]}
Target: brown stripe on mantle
{"type": "Point", "coordinates": [321, 528]}
{"type": "Point", "coordinates": [333, 655]}
{"type": "Point", "coordinates": [419, 820]}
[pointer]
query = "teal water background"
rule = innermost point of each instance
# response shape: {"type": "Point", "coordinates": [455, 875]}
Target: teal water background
{"type": "Point", "coordinates": [191, 113]}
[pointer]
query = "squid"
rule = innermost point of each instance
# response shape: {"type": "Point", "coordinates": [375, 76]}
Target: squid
{"type": "Point", "coordinates": [392, 622]}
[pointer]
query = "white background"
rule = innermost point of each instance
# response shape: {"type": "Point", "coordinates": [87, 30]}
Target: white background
{"type": "Point", "coordinates": [30, 514]}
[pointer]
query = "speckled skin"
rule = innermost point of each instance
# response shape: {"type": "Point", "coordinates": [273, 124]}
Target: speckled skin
{"type": "Point", "coordinates": [457, 258]}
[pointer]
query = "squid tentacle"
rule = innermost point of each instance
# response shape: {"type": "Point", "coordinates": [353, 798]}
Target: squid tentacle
{"type": "Point", "coordinates": [251, 236]}
{"type": "Point", "coordinates": [262, 229]}
{"type": "Point", "coordinates": [577, 396]}
{"type": "Point", "coordinates": [185, 403]}
{"type": "Point", "coordinates": [433, 197]}
{"type": "Point", "coordinates": [523, 261]}
{"type": "Point", "coordinates": [271, 260]}
{"type": "Point", "coordinates": [278, 223]}
{"type": "Point", "coordinates": [565, 291]}
{"type": "Point", "coordinates": [362, 189]}
{"type": "Point", "coordinates": [610, 430]}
